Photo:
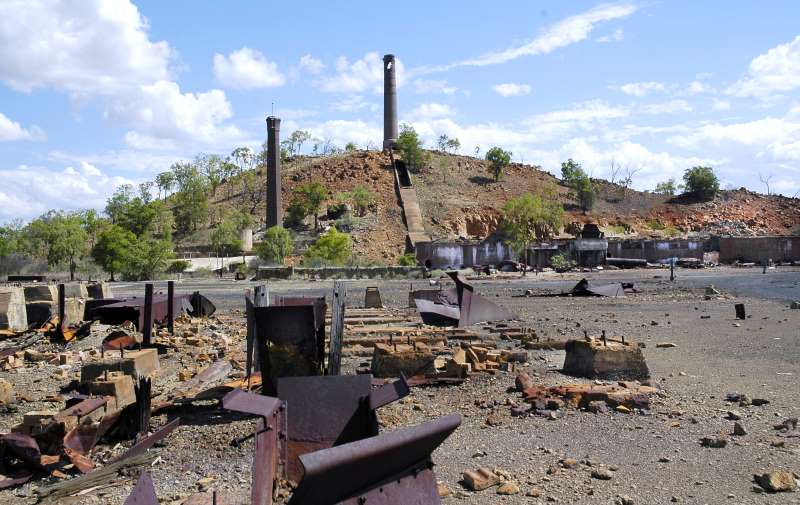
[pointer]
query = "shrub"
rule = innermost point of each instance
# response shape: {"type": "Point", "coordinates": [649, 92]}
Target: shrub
{"type": "Point", "coordinates": [362, 198]}
{"type": "Point", "coordinates": [295, 214]}
{"type": "Point", "coordinates": [407, 260]}
{"type": "Point", "coordinates": [178, 266]}
{"type": "Point", "coordinates": [561, 263]}
{"type": "Point", "coordinates": [409, 144]}
{"type": "Point", "coordinates": [333, 248]}
{"type": "Point", "coordinates": [276, 245]}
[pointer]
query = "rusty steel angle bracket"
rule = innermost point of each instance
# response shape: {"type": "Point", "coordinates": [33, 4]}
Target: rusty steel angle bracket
{"type": "Point", "coordinates": [143, 493]}
{"type": "Point", "coordinates": [389, 393]}
{"type": "Point", "coordinates": [270, 436]}
{"type": "Point", "coordinates": [148, 442]}
{"type": "Point", "coordinates": [389, 469]}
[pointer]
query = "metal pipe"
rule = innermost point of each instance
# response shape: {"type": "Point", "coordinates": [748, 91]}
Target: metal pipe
{"type": "Point", "coordinates": [274, 212]}
{"type": "Point", "coordinates": [389, 102]}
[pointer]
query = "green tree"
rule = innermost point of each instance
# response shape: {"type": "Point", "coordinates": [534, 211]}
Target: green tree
{"type": "Point", "coordinates": [112, 249]}
{"type": "Point", "coordinates": [146, 258]}
{"type": "Point", "coordinates": [225, 238]}
{"type": "Point", "coordinates": [409, 144]}
{"type": "Point", "coordinates": [310, 196]}
{"type": "Point", "coordinates": [191, 200]}
{"type": "Point", "coordinates": [576, 178]}
{"type": "Point", "coordinates": [62, 238]}
{"type": "Point", "coordinates": [453, 145]}
{"type": "Point", "coordinates": [701, 182]}
{"type": "Point", "coordinates": [498, 160]}
{"type": "Point", "coordinates": [276, 245]}
{"type": "Point", "coordinates": [297, 139]}
{"type": "Point", "coordinates": [253, 190]}
{"type": "Point", "coordinates": [362, 198]}
{"type": "Point", "coordinates": [332, 248]}
{"type": "Point", "coordinates": [667, 187]}
{"type": "Point", "coordinates": [528, 218]}
{"type": "Point", "coordinates": [243, 158]}
{"type": "Point", "coordinates": [210, 166]}
{"type": "Point", "coordinates": [441, 142]}
{"type": "Point", "coordinates": [165, 182]}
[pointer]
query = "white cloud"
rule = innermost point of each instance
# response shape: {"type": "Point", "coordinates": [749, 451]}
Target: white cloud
{"type": "Point", "coordinates": [350, 104]}
{"type": "Point", "coordinates": [433, 86]}
{"type": "Point", "coordinates": [561, 34]}
{"type": "Point", "coordinates": [340, 132]}
{"type": "Point", "coordinates": [311, 64]}
{"type": "Point", "coordinates": [718, 104]}
{"type": "Point", "coordinates": [432, 110]}
{"type": "Point", "coordinates": [92, 47]}
{"type": "Point", "coordinates": [363, 75]}
{"type": "Point", "coordinates": [670, 107]}
{"type": "Point", "coordinates": [642, 88]}
{"type": "Point", "coordinates": [697, 87]}
{"type": "Point", "coordinates": [512, 89]}
{"type": "Point", "coordinates": [615, 36]}
{"type": "Point", "coordinates": [777, 138]}
{"type": "Point", "coordinates": [771, 73]}
{"type": "Point", "coordinates": [247, 68]}
{"type": "Point", "coordinates": [592, 110]}
{"type": "Point", "coordinates": [163, 117]}
{"type": "Point", "coordinates": [28, 192]}
{"type": "Point", "coordinates": [11, 131]}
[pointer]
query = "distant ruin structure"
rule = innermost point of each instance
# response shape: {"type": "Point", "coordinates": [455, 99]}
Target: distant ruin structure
{"type": "Point", "coordinates": [274, 212]}
{"type": "Point", "coordinates": [389, 102]}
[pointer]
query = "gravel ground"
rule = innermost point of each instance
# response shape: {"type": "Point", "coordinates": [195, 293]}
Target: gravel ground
{"type": "Point", "coordinates": [655, 457]}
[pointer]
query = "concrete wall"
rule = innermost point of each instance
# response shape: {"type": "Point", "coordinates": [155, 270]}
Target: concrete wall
{"type": "Point", "coordinates": [277, 273]}
{"type": "Point", "coordinates": [12, 309]}
{"type": "Point", "coordinates": [456, 255]}
{"type": "Point", "coordinates": [757, 249]}
{"type": "Point", "coordinates": [656, 250]}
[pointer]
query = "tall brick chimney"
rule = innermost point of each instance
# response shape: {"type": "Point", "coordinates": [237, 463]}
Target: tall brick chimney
{"type": "Point", "coordinates": [274, 211]}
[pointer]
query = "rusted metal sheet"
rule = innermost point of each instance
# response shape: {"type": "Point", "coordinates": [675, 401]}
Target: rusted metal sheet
{"type": "Point", "coordinates": [19, 456]}
{"type": "Point", "coordinates": [143, 493]}
{"type": "Point", "coordinates": [585, 288]}
{"type": "Point", "coordinates": [148, 442]}
{"type": "Point", "coordinates": [297, 327]}
{"type": "Point", "coordinates": [325, 411]}
{"type": "Point", "coordinates": [331, 410]}
{"type": "Point", "coordinates": [390, 469]}
{"type": "Point", "coordinates": [133, 310]}
{"type": "Point", "coordinates": [460, 306]}
{"type": "Point", "coordinates": [270, 436]}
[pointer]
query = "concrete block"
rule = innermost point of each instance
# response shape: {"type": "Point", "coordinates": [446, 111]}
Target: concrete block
{"type": "Point", "coordinates": [41, 293]}
{"type": "Point", "coordinates": [12, 309]}
{"type": "Point", "coordinates": [118, 385]}
{"type": "Point", "coordinates": [75, 290]}
{"type": "Point", "coordinates": [98, 290]}
{"type": "Point", "coordinates": [134, 363]}
{"type": "Point", "coordinates": [73, 310]}
{"type": "Point", "coordinates": [615, 361]}
{"type": "Point", "coordinates": [388, 360]}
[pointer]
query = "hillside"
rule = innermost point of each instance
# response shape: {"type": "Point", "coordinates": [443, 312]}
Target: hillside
{"type": "Point", "coordinates": [459, 200]}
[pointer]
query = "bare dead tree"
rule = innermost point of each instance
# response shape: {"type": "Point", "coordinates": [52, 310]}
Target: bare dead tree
{"type": "Point", "coordinates": [628, 181]}
{"type": "Point", "coordinates": [765, 180]}
{"type": "Point", "coordinates": [614, 169]}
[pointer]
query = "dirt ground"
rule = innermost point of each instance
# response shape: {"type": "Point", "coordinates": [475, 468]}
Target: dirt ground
{"type": "Point", "coordinates": [654, 456]}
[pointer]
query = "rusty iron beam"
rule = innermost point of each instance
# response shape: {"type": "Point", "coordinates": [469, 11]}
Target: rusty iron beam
{"type": "Point", "coordinates": [270, 435]}
{"type": "Point", "coordinates": [82, 408]}
{"type": "Point", "coordinates": [147, 316]}
{"type": "Point", "coordinates": [171, 307]}
{"type": "Point", "coordinates": [389, 393]}
{"type": "Point", "coordinates": [148, 442]}
{"type": "Point", "coordinates": [389, 469]}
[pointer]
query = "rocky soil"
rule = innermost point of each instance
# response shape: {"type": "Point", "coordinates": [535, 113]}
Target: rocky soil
{"type": "Point", "coordinates": [643, 457]}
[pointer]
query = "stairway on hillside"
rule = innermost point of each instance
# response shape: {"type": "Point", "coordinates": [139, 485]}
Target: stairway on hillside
{"type": "Point", "coordinates": [408, 200]}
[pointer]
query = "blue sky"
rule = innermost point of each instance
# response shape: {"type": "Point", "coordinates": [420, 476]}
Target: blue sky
{"type": "Point", "coordinates": [97, 93]}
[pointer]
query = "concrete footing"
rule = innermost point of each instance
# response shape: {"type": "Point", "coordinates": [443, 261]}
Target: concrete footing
{"type": "Point", "coordinates": [12, 309]}
{"type": "Point", "coordinates": [613, 360]}
{"type": "Point", "coordinates": [134, 363]}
